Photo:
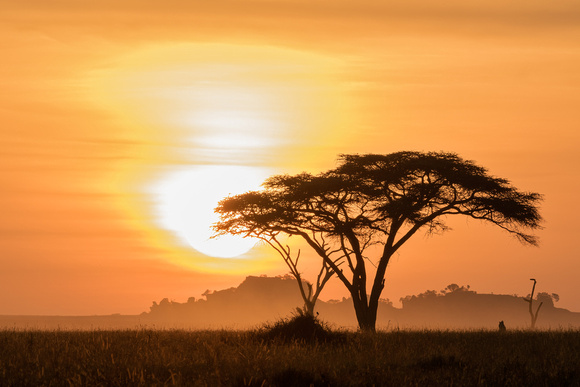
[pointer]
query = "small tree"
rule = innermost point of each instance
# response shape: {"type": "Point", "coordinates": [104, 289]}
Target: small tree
{"type": "Point", "coordinates": [309, 294]}
{"type": "Point", "coordinates": [377, 201]}
{"type": "Point", "coordinates": [253, 212]}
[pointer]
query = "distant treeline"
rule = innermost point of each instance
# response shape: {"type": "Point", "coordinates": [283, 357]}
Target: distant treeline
{"type": "Point", "coordinates": [265, 299]}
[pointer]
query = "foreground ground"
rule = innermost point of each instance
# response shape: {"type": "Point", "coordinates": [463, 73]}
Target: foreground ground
{"type": "Point", "coordinates": [214, 358]}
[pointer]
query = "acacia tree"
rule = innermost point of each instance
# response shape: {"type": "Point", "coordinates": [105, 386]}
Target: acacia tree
{"type": "Point", "coordinates": [380, 201]}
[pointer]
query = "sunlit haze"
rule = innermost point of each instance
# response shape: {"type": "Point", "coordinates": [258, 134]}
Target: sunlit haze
{"type": "Point", "coordinates": [124, 123]}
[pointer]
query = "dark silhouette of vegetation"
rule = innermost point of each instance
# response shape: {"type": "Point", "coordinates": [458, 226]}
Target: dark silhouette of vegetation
{"type": "Point", "coordinates": [302, 327]}
{"type": "Point", "coordinates": [356, 216]}
{"type": "Point", "coordinates": [501, 326]}
{"type": "Point", "coordinates": [530, 301]}
{"type": "Point", "coordinates": [293, 377]}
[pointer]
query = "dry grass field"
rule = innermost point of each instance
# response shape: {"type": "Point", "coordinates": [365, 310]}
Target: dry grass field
{"type": "Point", "coordinates": [270, 357]}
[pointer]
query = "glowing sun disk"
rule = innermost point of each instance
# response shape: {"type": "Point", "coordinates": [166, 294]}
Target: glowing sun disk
{"type": "Point", "coordinates": [186, 200]}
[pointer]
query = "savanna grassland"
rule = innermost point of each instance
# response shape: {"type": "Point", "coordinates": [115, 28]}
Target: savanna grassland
{"type": "Point", "coordinates": [260, 358]}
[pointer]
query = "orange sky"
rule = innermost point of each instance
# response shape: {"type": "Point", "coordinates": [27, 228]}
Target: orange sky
{"type": "Point", "coordinates": [102, 102]}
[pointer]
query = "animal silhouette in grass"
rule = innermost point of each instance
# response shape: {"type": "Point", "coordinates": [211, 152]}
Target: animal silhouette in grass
{"type": "Point", "coordinates": [375, 200]}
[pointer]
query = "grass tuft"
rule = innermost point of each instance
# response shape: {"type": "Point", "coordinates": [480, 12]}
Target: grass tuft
{"type": "Point", "coordinates": [299, 328]}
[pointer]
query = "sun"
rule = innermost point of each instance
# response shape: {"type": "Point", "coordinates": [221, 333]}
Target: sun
{"type": "Point", "coordinates": [185, 202]}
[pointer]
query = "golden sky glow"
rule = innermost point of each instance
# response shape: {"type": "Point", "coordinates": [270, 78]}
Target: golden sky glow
{"type": "Point", "coordinates": [106, 105]}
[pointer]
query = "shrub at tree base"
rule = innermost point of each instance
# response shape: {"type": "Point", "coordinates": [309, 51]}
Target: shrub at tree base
{"type": "Point", "coordinates": [301, 327]}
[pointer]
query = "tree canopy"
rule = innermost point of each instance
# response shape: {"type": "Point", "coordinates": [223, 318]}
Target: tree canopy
{"type": "Point", "coordinates": [377, 200]}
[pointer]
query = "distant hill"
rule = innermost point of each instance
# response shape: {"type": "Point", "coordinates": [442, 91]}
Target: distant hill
{"type": "Point", "coordinates": [254, 301]}
{"type": "Point", "coordinates": [258, 300]}
{"type": "Point", "coordinates": [261, 299]}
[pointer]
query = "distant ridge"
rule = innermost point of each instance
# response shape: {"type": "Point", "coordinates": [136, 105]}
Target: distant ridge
{"type": "Point", "coordinates": [261, 299]}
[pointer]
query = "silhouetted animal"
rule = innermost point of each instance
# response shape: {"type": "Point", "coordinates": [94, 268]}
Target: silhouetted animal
{"type": "Point", "coordinates": [501, 326]}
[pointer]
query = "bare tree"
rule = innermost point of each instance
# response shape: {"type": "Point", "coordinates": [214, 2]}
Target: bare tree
{"type": "Point", "coordinates": [533, 316]}
{"type": "Point", "coordinates": [309, 294]}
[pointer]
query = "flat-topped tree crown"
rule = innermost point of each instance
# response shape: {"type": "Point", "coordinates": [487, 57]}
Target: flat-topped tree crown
{"type": "Point", "coordinates": [417, 188]}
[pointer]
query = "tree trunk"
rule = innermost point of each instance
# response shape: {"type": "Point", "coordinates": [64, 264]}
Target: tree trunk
{"type": "Point", "coordinates": [309, 308]}
{"type": "Point", "coordinates": [366, 307]}
{"type": "Point", "coordinates": [366, 315]}
{"type": "Point", "coordinates": [367, 323]}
